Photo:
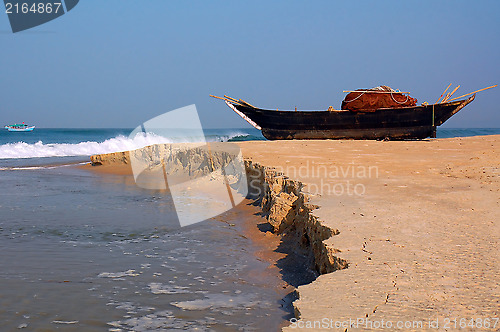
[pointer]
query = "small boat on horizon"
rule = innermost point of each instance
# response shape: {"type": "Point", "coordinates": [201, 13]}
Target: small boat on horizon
{"type": "Point", "coordinates": [19, 127]}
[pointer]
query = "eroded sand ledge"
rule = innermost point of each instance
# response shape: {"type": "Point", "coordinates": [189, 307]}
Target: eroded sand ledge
{"type": "Point", "coordinates": [421, 242]}
{"type": "Point", "coordinates": [288, 209]}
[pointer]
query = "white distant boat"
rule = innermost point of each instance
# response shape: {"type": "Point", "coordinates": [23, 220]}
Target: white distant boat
{"type": "Point", "coordinates": [19, 127]}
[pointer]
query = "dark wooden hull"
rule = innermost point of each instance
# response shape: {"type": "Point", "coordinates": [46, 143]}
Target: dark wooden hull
{"type": "Point", "coordinates": [393, 123]}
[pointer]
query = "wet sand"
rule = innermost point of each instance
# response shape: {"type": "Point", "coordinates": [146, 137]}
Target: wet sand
{"type": "Point", "coordinates": [418, 224]}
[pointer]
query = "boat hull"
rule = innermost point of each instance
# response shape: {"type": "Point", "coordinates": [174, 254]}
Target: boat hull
{"type": "Point", "coordinates": [417, 122]}
{"type": "Point", "coordinates": [400, 133]}
{"type": "Point", "coordinates": [19, 129]}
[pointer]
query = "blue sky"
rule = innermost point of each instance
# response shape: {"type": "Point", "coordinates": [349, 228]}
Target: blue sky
{"type": "Point", "coordinates": [118, 63]}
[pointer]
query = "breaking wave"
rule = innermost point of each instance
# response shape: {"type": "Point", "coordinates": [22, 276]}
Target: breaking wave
{"type": "Point", "coordinates": [115, 144]}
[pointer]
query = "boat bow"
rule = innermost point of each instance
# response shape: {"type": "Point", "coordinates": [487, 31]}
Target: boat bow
{"type": "Point", "coordinates": [246, 118]}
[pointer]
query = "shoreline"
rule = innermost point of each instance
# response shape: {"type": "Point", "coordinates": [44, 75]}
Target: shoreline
{"type": "Point", "coordinates": [280, 256]}
{"type": "Point", "coordinates": [392, 235]}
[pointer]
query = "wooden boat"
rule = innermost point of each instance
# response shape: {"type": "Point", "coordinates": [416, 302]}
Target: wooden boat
{"type": "Point", "coordinates": [19, 127]}
{"type": "Point", "coordinates": [416, 122]}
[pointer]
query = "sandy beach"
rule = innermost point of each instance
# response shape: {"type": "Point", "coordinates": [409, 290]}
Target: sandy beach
{"type": "Point", "coordinates": [414, 229]}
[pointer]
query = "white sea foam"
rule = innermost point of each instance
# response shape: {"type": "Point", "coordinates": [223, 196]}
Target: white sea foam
{"type": "Point", "coordinates": [212, 301]}
{"type": "Point", "coordinates": [128, 273]}
{"type": "Point", "coordinates": [30, 168]}
{"type": "Point", "coordinates": [115, 144]}
{"type": "Point", "coordinates": [158, 288]}
{"type": "Point", "coordinates": [159, 321]}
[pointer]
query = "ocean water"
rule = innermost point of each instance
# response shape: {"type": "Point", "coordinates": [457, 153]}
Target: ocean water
{"type": "Point", "coordinates": [82, 251]}
{"type": "Point", "coordinates": [43, 143]}
{"type": "Point", "coordinates": [466, 132]}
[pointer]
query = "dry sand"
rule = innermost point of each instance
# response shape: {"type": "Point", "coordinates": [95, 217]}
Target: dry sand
{"type": "Point", "coordinates": [422, 241]}
{"type": "Point", "coordinates": [419, 226]}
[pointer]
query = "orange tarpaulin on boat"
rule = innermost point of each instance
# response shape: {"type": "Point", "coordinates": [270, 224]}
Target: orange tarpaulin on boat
{"type": "Point", "coordinates": [379, 97]}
